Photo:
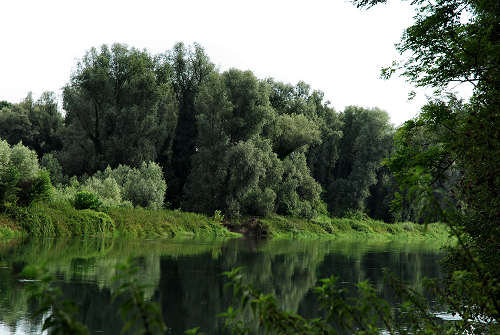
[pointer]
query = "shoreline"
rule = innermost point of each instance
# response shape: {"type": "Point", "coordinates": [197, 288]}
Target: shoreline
{"type": "Point", "coordinates": [52, 219]}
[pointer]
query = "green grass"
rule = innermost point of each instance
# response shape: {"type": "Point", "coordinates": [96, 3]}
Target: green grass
{"type": "Point", "coordinates": [353, 228]}
{"type": "Point", "coordinates": [62, 219]}
{"type": "Point", "coordinates": [168, 223]}
{"type": "Point", "coordinates": [9, 228]}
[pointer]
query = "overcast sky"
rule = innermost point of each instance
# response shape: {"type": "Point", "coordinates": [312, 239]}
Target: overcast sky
{"type": "Point", "coordinates": [330, 44]}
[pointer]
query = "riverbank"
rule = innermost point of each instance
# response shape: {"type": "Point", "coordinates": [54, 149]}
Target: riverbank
{"type": "Point", "coordinates": [355, 228]}
{"type": "Point", "coordinates": [52, 219]}
{"type": "Point", "coordinates": [321, 227]}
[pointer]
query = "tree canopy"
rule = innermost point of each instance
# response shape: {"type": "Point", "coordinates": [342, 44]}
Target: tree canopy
{"type": "Point", "coordinates": [225, 140]}
{"type": "Point", "coordinates": [446, 159]}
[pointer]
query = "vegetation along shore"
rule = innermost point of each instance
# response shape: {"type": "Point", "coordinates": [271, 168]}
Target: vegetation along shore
{"type": "Point", "coordinates": [130, 201]}
{"type": "Point", "coordinates": [146, 141]}
{"type": "Point", "coordinates": [169, 145]}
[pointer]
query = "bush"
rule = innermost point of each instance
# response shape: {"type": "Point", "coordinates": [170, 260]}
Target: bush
{"type": "Point", "coordinates": [4, 156]}
{"type": "Point", "coordinates": [145, 186]}
{"type": "Point", "coordinates": [60, 219]}
{"type": "Point", "coordinates": [86, 200]}
{"type": "Point", "coordinates": [21, 179]}
{"type": "Point", "coordinates": [108, 191]}
{"type": "Point", "coordinates": [25, 161]}
{"type": "Point", "coordinates": [38, 189]}
{"type": "Point", "coordinates": [357, 215]}
{"type": "Point", "coordinates": [67, 192]}
{"type": "Point", "coordinates": [51, 164]}
{"type": "Point", "coordinates": [259, 202]}
{"type": "Point", "coordinates": [127, 187]}
{"type": "Point", "coordinates": [33, 220]}
{"type": "Point", "coordinates": [9, 177]}
{"type": "Point", "coordinates": [89, 222]}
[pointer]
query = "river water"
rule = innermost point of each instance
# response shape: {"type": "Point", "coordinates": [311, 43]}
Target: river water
{"type": "Point", "coordinates": [184, 276]}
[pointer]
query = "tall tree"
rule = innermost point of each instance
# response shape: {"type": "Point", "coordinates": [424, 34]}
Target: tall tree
{"type": "Point", "coordinates": [204, 190]}
{"type": "Point", "coordinates": [366, 140]}
{"type": "Point", "coordinates": [250, 100]}
{"type": "Point", "coordinates": [117, 101]}
{"type": "Point", "coordinates": [190, 69]}
{"type": "Point", "coordinates": [249, 160]}
{"type": "Point", "coordinates": [306, 123]}
{"type": "Point", "coordinates": [232, 163]}
{"type": "Point", "coordinates": [35, 123]}
{"type": "Point", "coordinates": [457, 42]}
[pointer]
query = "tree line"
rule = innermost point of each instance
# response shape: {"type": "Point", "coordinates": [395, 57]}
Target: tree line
{"type": "Point", "coordinates": [225, 140]}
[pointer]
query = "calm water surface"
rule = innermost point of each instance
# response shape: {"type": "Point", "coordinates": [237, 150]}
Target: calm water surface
{"type": "Point", "coordinates": [185, 276]}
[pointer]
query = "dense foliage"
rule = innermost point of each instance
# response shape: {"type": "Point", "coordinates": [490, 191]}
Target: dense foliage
{"type": "Point", "coordinates": [446, 159]}
{"type": "Point", "coordinates": [224, 141]}
{"type": "Point", "coordinates": [229, 141]}
{"type": "Point", "coordinates": [21, 179]}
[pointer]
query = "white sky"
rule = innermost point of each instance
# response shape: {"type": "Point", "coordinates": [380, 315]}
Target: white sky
{"type": "Point", "coordinates": [329, 44]}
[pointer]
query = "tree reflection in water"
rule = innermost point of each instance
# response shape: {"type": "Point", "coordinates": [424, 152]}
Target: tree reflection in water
{"type": "Point", "coordinates": [185, 276]}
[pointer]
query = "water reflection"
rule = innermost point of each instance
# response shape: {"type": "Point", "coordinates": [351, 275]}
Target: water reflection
{"type": "Point", "coordinates": [185, 276]}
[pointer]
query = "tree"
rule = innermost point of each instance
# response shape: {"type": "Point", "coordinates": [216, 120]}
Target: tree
{"type": "Point", "coordinates": [204, 189]}
{"type": "Point", "coordinates": [21, 179]}
{"type": "Point", "coordinates": [233, 169]}
{"type": "Point", "coordinates": [36, 124]}
{"type": "Point", "coordinates": [250, 100]}
{"type": "Point", "coordinates": [190, 69]}
{"type": "Point", "coordinates": [298, 193]}
{"type": "Point", "coordinates": [118, 101]}
{"type": "Point", "coordinates": [292, 132]}
{"type": "Point", "coordinates": [322, 157]}
{"type": "Point", "coordinates": [248, 159]}
{"type": "Point", "coordinates": [15, 125]}
{"type": "Point", "coordinates": [365, 142]}
{"type": "Point", "coordinates": [46, 123]}
{"type": "Point", "coordinates": [456, 42]}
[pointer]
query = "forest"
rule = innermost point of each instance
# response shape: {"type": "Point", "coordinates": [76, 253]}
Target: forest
{"type": "Point", "coordinates": [171, 130]}
{"type": "Point", "coordinates": [223, 141]}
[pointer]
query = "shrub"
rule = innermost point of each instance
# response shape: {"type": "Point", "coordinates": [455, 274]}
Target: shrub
{"type": "Point", "coordinates": [21, 179]}
{"type": "Point", "coordinates": [67, 192]}
{"type": "Point", "coordinates": [357, 215]}
{"type": "Point", "coordinates": [127, 187]}
{"type": "Point", "coordinates": [86, 200]}
{"type": "Point", "coordinates": [33, 220]}
{"type": "Point", "coordinates": [39, 188]}
{"type": "Point", "coordinates": [107, 190]}
{"type": "Point", "coordinates": [89, 222]}
{"type": "Point", "coordinates": [259, 202]}
{"type": "Point", "coordinates": [25, 161]}
{"type": "Point", "coordinates": [218, 217]}
{"type": "Point", "coordinates": [145, 186]}
{"type": "Point", "coordinates": [51, 164]}
{"type": "Point", "coordinates": [4, 156]}
{"type": "Point", "coordinates": [9, 177]}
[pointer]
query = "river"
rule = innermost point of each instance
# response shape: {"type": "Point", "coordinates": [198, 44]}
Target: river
{"type": "Point", "coordinates": [184, 276]}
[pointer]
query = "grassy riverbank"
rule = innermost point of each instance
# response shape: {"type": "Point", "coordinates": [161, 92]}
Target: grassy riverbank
{"type": "Point", "coordinates": [62, 219]}
{"type": "Point", "coordinates": [354, 227]}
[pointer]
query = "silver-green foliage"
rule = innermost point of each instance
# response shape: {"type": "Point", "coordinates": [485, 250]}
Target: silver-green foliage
{"type": "Point", "coordinates": [145, 186]}
{"type": "Point", "coordinates": [246, 152]}
{"type": "Point", "coordinates": [107, 189]}
{"type": "Point", "coordinates": [21, 179]}
{"type": "Point", "coordinates": [4, 156]}
{"type": "Point", "coordinates": [125, 186]}
{"type": "Point", "coordinates": [120, 109]}
{"type": "Point", "coordinates": [25, 161]}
